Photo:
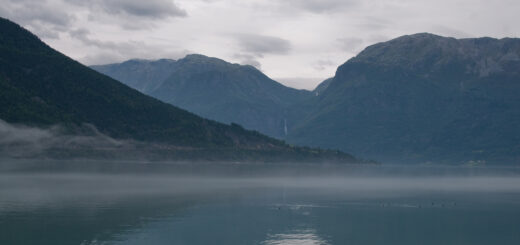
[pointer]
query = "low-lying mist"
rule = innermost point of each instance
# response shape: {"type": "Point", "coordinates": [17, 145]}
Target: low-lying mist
{"type": "Point", "coordinates": [85, 141]}
{"type": "Point", "coordinates": [41, 186]}
{"type": "Point", "coordinates": [19, 141]}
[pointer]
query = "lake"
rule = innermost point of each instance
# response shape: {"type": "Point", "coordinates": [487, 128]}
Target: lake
{"type": "Point", "coordinates": [141, 203]}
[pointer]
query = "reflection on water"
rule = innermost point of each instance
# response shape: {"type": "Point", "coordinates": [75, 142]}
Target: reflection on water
{"type": "Point", "coordinates": [337, 208]}
{"type": "Point", "coordinates": [295, 237]}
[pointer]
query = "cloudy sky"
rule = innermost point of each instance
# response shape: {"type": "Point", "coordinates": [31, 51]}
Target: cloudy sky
{"type": "Point", "coordinates": [297, 42]}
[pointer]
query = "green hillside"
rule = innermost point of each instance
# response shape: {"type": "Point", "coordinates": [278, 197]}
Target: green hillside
{"type": "Point", "coordinates": [41, 87]}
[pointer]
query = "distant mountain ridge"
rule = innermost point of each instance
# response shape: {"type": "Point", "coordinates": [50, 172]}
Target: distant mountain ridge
{"type": "Point", "coordinates": [214, 89]}
{"type": "Point", "coordinates": [134, 72]}
{"type": "Point", "coordinates": [41, 87]}
{"type": "Point", "coordinates": [422, 98]}
{"type": "Point", "coordinates": [414, 99]}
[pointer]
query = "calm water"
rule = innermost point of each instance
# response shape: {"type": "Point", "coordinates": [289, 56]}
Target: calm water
{"type": "Point", "coordinates": [374, 205]}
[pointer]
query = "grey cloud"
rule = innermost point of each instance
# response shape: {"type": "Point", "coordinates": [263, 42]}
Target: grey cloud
{"type": "Point", "coordinates": [83, 36]}
{"type": "Point", "coordinates": [450, 32]}
{"type": "Point", "coordinates": [376, 38]}
{"type": "Point", "coordinates": [260, 44]}
{"type": "Point", "coordinates": [323, 64]}
{"type": "Point", "coordinates": [323, 6]}
{"type": "Point", "coordinates": [102, 58]}
{"type": "Point", "coordinates": [154, 9]}
{"type": "Point", "coordinates": [120, 55]}
{"type": "Point", "coordinates": [247, 59]}
{"type": "Point", "coordinates": [30, 11]}
{"type": "Point", "coordinates": [44, 31]}
{"type": "Point", "coordinates": [374, 24]}
{"type": "Point", "coordinates": [350, 44]}
{"type": "Point", "coordinates": [111, 52]}
{"type": "Point", "coordinates": [152, 53]}
{"type": "Point", "coordinates": [300, 82]}
{"type": "Point", "coordinates": [47, 20]}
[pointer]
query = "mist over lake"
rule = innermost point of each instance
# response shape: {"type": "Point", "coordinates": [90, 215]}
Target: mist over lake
{"type": "Point", "coordinates": [308, 122]}
{"type": "Point", "coordinates": [231, 203]}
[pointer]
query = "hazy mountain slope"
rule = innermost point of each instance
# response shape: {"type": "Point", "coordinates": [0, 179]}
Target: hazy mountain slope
{"type": "Point", "coordinates": [144, 75]}
{"type": "Point", "coordinates": [214, 89]}
{"type": "Point", "coordinates": [42, 87]}
{"type": "Point", "coordinates": [322, 86]}
{"type": "Point", "coordinates": [422, 98]}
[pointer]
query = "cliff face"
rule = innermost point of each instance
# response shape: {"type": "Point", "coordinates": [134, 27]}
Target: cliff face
{"type": "Point", "coordinates": [422, 98]}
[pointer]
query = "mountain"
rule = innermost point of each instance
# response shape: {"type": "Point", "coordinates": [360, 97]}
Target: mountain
{"type": "Point", "coordinates": [214, 89]}
{"type": "Point", "coordinates": [422, 98]}
{"type": "Point", "coordinates": [143, 75]}
{"type": "Point", "coordinates": [322, 86]}
{"type": "Point", "coordinates": [40, 87]}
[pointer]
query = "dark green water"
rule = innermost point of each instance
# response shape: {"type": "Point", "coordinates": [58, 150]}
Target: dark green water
{"type": "Point", "coordinates": [432, 206]}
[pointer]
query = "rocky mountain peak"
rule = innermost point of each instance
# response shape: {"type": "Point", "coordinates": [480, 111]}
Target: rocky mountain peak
{"type": "Point", "coordinates": [429, 53]}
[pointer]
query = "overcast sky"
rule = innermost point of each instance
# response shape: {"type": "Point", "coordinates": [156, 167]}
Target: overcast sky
{"type": "Point", "coordinates": [297, 42]}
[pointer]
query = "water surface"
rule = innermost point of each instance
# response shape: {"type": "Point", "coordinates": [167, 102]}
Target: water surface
{"type": "Point", "coordinates": [254, 205]}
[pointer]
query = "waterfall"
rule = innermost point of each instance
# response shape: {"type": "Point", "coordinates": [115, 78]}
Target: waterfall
{"type": "Point", "coordinates": [285, 126]}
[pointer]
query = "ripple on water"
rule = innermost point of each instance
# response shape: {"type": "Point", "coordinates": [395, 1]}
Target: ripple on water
{"type": "Point", "coordinates": [299, 236]}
